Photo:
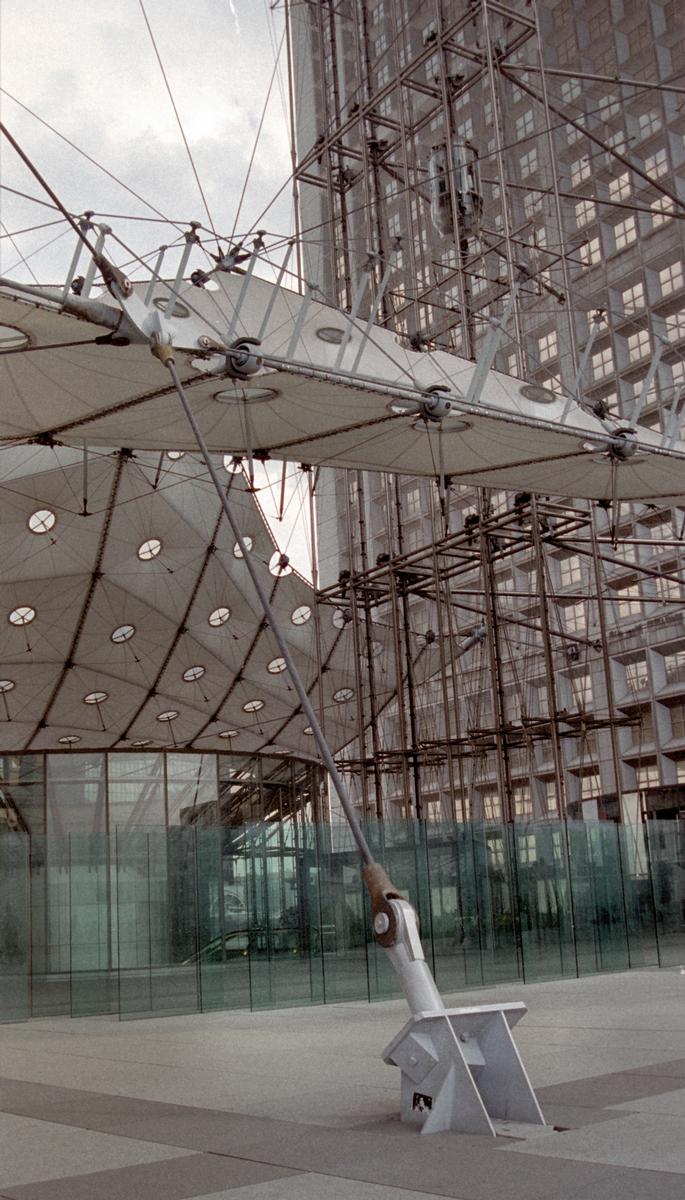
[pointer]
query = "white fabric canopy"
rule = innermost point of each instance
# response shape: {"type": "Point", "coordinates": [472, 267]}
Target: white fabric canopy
{"type": "Point", "coordinates": [190, 609]}
{"type": "Point", "coordinates": [306, 406]}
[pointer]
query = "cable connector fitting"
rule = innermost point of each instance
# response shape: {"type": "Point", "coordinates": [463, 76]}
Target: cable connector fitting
{"type": "Point", "coordinates": [162, 350]}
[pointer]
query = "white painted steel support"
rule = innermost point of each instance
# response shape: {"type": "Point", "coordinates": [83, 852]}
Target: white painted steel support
{"type": "Point", "coordinates": [595, 330]}
{"type": "Point", "coordinates": [486, 356]}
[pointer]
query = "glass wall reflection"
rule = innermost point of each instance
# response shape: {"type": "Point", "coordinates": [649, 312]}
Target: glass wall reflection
{"type": "Point", "coordinates": [192, 917]}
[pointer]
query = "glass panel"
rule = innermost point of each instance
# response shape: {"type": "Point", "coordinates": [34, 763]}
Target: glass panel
{"type": "Point", "coordinates": [224, 936]}
{"type": "Point", "coordinates": [544, 901]}
{"type": "Point", "coordinates": [495, 902]}
{"type": "Point", "coordinates": [666, 844]}
{"type": "Point", "coordinates": [136, 790]}
{"type": "Point", "coordinates": [22, 793]}
{"type": "Point", "coordinates": [91, 942]}
{"type": "Point", "coordinates": [76, 794]}
{"type": "Point", "coordinates": [192, 789]}
{"type": "Point", "coordinates": [157, 923]}
{"type": "Point", "coordinates": [455, 919]}
{"type": "Point", "coordinates": [339, 925]}
{"type": "Point", "coordinates": [14, 927]}
{"type": "Point", "coordinates": [638, 895]}
{"type": "Point", "coordinates": [277, 916]}
{"type": "Point", "coordinates": [601, 930]}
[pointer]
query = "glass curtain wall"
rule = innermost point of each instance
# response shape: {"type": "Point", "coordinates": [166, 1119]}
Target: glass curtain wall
{"type": "Point", "coordinates": [266, 915]}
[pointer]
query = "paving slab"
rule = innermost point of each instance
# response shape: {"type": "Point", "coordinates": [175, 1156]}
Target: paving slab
{"type": "Point", "coordinates": [177, 1179]}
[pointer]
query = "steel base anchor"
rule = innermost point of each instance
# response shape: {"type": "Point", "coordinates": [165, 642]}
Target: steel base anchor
{"type": "Point", "coordinates": [460, 1067]}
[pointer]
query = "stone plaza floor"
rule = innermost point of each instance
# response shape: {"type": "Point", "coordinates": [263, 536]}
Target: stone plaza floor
{"type": "Point", "coordinates": [297, 1104]}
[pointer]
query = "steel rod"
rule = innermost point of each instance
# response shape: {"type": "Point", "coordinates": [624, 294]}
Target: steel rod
{"type": "Point", "coordinates": [298, 684]}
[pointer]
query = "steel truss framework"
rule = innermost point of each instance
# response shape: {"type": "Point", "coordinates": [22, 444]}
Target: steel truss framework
{"type": "Point", "coordinates": [577, 119]}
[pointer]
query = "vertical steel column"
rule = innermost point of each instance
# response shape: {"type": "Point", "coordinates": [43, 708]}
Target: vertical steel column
{"type": "Point", "coordinates": [540, 564]}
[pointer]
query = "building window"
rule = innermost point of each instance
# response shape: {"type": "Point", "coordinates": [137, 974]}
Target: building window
{"type": "Point", "coordinates": [674, 666]}
{"type": "Point", "coordinates": [639, 38]}
{"type": "Point", "coordinates": [647, 776]}
{"type": "Point", "coordinates": [599, 24]}
{"type": "Point", "coordinates": [636, 674]}
{"type": "Point", "coordinates": [579, 171]}
{"type": "Point", "coordinates": [492, 809]}
{"type": "Point", "coordinates": [671, 278]}
{"type": "Point", "coordinates": [608, 107]}
{"type": "Point", "coordinates": [590, 785]}
{"type": "Point", "coordinates": [570, 89]}
{"type": "Point", "coordinates": [625, 233]}
{"type": "Point", "coordinates": [590, 253]}
{"type": "Point", "coordinates": [657, 164]}
{"type": "Point", "coordinates": [547, 346]}
{"type": "Point", "coordinates": [524, 124]}
{"type": "Point", "coordinates": [639, 345]}
{"type": "Point", "coordinates": [602, 363]}
{"type": "Point", "coordinates": [574, 617]}
{"type": "Point", "coordinates": [528, 163]}
{"type": "Point", "coordinates": [413, 502]}
{"type": "Point", "coordinates": [662, 209]}
{"type": "Point", "coordinates": [523, 804]}
{"type": "Point", "coordinates": [629, 603]}
{"type": "Point", "coordinates": [585, 212]}
{"type": "Point", "coordinates": [668, 589]}
{"type": "Point", "coordinates": [633, 298]}
{"type": "Point", "coordinates": [570, 570]}
{"type": "Point", "coordinates": [648, 123]}
{"type": "Point", "coordinates": [619, 188]}
{"type": "Point", "coordinates": [581, 687]}
{"type": "Point", "coordinates": [675, 325]}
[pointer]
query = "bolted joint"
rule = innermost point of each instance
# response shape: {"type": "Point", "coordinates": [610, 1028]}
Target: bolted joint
{"type": "Point", "coordinates": [623, 444]}
{"type": "Point", "coordinates": [381, 891]}
{"type": "Point", "coordinates": [437, 403]}
{"type": "Point", "coordinates": [241, 360]}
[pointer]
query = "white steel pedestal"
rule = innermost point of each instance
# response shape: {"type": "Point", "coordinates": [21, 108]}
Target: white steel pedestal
{"type": "Point", "coordinates": [461, 1070]}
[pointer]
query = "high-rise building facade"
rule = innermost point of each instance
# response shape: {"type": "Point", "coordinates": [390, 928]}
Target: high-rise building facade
{"type": "Point", "coordinates": [462, 165]}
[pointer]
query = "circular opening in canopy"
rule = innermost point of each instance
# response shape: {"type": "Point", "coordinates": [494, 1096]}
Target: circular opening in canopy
{"type": "Point", "coordinates": [232, 463]}
{"type": "Point", "coordinates": [174, 455]}
{"type": "Point", "coordinates": [170, 715]}
{"type": "Point", "coordinates": [237, 549]}
{"type": "Point", "coordinates": [123, 633]}
{"type": "Point", "coordinates": [327, 333]}
{"type": "Point", "coordinates": [179, 310]}
{"type": "Point", "coordinates": [42, 520]}
{"type": "Point", "coordinates": [308, 730]}
{"type": "Point", "coordinates": [253, 706]}
{"type": "Point", "coordinates": [6, 685]}
{"type": "Point", "coordinates": [95, 698]}
{"type": "Point", "coordinates": [22, 615]}
{"type": "Point", "coordinates": [228, 733]}
{"type": "Point", "coordinates": [541, 395]}
{"type": "Point", "coordinates": [276, 666]}
{"type": "Point", "coordinates": [342, 695]}
{"type": "Point", "coordinates": [243, 393]}
{"type": "Point", "coordinates": [219, 616]}
{"type": "Point", "coordinates": [12, 339]}
{"type": "Point", "coordinates": [341, 617]}
{"type": "Point", "coordinates": [69, 739]}
{"type": "Point", "coordinates": [193, 673]}
{"type": "Point", "coordinates": [140, 742]}
{"type": "Point", "coordinates": [301, 614]}
{"type": "Point", "coordinates": [149, 549]}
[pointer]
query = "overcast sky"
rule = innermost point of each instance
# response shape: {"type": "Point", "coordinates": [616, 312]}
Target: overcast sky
{"type": "Point", "coordinates": [90, 70]}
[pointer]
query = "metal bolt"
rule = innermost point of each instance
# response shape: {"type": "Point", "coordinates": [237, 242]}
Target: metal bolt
{"type": "Point", "coordinates": [381, 923]}
{"type": "Point", "coordinates": [204, 341]}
